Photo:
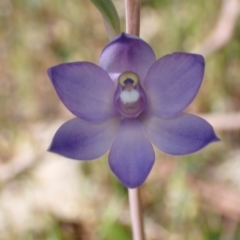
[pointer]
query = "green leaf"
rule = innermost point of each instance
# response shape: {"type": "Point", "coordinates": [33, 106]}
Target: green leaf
{"type": "Point", "coordinates": [110, 16]}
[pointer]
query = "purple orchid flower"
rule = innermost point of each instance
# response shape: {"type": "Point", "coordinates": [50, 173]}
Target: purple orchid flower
{"type": "Point", "coordinates": [126, 104]}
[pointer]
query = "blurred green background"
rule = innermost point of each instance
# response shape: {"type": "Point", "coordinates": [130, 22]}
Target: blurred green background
{"type": "Point", "coordinates": [48, 197]}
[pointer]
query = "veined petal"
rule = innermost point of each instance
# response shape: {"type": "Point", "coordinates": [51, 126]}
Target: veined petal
{"type": "Point", "coordinates": [181, 135]}
{"type": "Point", "coordinates": [82, 140]}
{"type": "Point", "coordinates": [131, 157]}
{"type": "Point", "coordinates": [172, 83]}
{"type": "Point", "coordinates": [127, 53]}
{"type": "Point", "coordinates": [85, 89]}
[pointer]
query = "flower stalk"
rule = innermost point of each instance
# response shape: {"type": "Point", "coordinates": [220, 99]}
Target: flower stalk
{"type": "Point", "coordinates": [132, 11]}
{"type": "Point", "coordinates": [136, 214]}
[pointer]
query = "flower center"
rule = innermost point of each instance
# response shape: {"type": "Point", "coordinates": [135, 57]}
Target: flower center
{"type": "Point", "coordinates": [129, 98]}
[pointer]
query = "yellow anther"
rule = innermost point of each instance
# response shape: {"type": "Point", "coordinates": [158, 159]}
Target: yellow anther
{"type": "Point", "coordinates": [128, 75]}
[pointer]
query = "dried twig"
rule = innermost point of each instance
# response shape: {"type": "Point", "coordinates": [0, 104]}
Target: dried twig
{"type": "Point", "coordinates": [223, 121]}
{"type": "Point", "coordinates": [223, 30]}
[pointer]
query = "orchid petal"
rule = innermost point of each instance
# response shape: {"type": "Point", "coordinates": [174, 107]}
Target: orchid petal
{"type": "Point", "coordinates": [82, 140]}
{"type": "Point", "coordinates": [131, 157]}
{"type": "Point", "coordinates": [85, 89]}
{"type": "Point", "coordinates": [172, 83]}
{"type": "Point", "coordinates": [127, 53]}
{"type": "Point", "coordinates": [181, 135]}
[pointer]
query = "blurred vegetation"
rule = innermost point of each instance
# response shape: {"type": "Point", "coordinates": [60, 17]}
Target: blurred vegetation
{"type": "Point", "coordinates": [37, 34]}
